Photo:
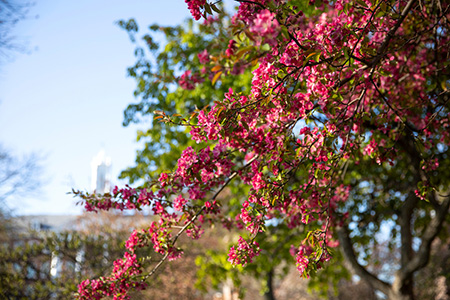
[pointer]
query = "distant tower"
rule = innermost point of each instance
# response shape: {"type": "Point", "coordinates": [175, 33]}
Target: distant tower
{"type": "Point", "coordinates": [101, 173]}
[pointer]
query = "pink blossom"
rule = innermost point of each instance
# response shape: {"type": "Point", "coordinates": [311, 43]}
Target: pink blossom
{"type": "Point", "coordinates": [244, 253]}
{"type": "Point", "coordinates": [179, 203]}
{"type": "Point", "coordinates": [231, 48]}
{"type": "Point", "coordinates": [266, 26]}
{"type": "Point", "coordinates": [203, 57]}
{"type": "Point", "coordinates": [371, 147]}
{"type": "Point", "coordinates": [194, 7]}
{"type": "Point", "coordinates": [188, 80]}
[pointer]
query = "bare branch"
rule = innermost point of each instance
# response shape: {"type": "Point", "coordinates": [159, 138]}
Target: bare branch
{"type": "Point", "coordinates": [381, 51]}
{"type": "Point", "coordinates": [422, 256]}
{"type": "Point", "coordinates": [354, 266]}
{"type": "Point", "coordinates": [19, 176]}
{"type": "Point", "coordinates": [252, 2]}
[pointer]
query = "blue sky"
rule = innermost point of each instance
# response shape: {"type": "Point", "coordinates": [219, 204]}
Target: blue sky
{"type": "Point", "coordinates": [65, 99]}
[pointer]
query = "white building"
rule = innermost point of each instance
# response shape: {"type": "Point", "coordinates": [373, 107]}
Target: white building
{"type": "Point", "coordinates": [101, 173]}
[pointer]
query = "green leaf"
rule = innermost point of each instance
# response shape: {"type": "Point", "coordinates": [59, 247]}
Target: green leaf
{"type": "Point", "coordinates": [214, 7]}
{"type": "Point", "coordinates": [208, 8]}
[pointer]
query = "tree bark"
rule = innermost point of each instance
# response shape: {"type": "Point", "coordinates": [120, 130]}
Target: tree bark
{"type": "Point", "coordinates": [355, 267]}
{"type": "Point", "coordinates": [402, 287]}
{"type": "Point", "coordinates": [269, 295]}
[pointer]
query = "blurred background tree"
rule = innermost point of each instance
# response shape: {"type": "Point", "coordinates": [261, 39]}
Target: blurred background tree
{"type": "Point", "coordinates": [12, 12]}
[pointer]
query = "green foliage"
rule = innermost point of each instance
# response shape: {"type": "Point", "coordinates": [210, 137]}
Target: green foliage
{"type": "Point", "coordinates": [156, 71]}
{"type": "Point", "coordinates": [215, 267]}
{"type": "Point", "coordinates": [325, 282]}
{"type": "Point", "coordinates": [25, 268]}
{"type": "Point", "coordinates": [25, 262]}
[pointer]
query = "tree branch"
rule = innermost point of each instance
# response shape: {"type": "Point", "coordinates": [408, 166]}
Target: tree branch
{"type": "Point", "coordinates": [251, 2]}
{"type": "Point", "coordinates": [354, 266]}
{"type": "Point", "coordinates": [422, 256]}
{"type": "Point", "coordinates": [183, 229]}
{"type": "Point", "coordinates": [405, 217]}
{"type": "Point", "coordinates": [381, 51]}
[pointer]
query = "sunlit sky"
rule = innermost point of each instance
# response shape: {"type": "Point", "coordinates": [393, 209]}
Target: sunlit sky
{"type": "Point", "coordinates": [65, 99]}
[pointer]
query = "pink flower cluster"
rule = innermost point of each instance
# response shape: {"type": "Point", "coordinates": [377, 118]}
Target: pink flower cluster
{"type": "Point", "coordinates": [301, 258]}
{"type": "Point", "coordinates": [208, 126]}
{"type": "Point", "coordinates": [203, 57]}
{"type": "Point", "coordinates": [244, 253]}
{"type": "Point", "coordinates": [266, 26]}
{"type": "Point", "coordinates": [231, 48]}
{"type": "Point", "coordinates": [135, 241]}
{"type": "Point", "coordinates": [188, 81]}
{"type": "Point", "coordinates": [194, 6]}
{"type": "Point", "coordinates": [431, 165]}
{"type": "Point", "coordinates": [121, 281]}
{"type": "Point", "coordinates": [179, 203]}
{"type": "Point", "coordinates": [121, 199]}
{"type": "Point", "coordinates": [370, 148]}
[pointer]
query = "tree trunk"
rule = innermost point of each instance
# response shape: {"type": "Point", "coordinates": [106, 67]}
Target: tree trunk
{"type": "Point", "coordinates": [403, 294]}
{"type": "Point", "coordinates": [269, 295]}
